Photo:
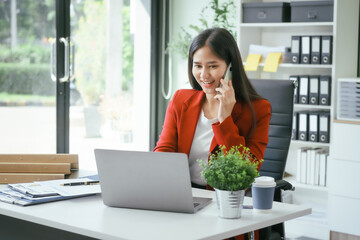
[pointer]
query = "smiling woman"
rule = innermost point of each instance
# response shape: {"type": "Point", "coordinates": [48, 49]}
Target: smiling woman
{"type": "Point", "coordinates": [208, 69]}
{"type": "Point", "coordinates": [199, 121]}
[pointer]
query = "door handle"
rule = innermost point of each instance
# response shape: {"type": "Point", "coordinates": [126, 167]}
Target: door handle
{"type": "Point", "coordinates": [72, 61]}
{"type": "Point", "coordinates": [69, 69]}
{"type": "Point", "coordinates": [53, 60]}
{"type": "Point", "coordinates": [166, 95]}
{"type": "Point", "coordinates": [65, 41]}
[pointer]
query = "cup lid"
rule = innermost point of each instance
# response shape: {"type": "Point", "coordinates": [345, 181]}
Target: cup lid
{"type": "Point", "coordinates": [264, 181]}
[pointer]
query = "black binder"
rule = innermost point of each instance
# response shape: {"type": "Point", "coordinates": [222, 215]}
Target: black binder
{"type": "Point", "coordinates": [313, 126]}
{"type": "Point", "coordinates": [296, 89]}
{"type": "Point", "coordinates": [325, 90]}
{"type": "Point", "coordinates": [295, 49]}
{"type": "Point", "coordinates": [304, 89]}
{"type": "Point", "coordinates": [303, 126]}
{"type": "Point", "coordinates": [315, 49]}
{"type": "Point", "coordinates": [294, 133]}
{"type": "Point", "coordinates": [324, 127]}
{"type": "Point", "coordinates": [326, 49]}
{"type": "Point", "coordinates": [305, 49]}
{"type": "Point", "coordinates": [314, 90]}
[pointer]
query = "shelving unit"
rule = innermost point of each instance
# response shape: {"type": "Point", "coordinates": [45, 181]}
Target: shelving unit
{"type": "Point", "coordinates": [344, 30]}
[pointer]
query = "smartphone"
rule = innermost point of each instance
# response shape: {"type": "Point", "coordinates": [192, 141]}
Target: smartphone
{"type": "Point", "coordinates": [227, 76]}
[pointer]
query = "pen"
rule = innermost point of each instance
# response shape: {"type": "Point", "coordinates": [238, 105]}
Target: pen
{"type": "Point", "coordinates": [80, 183]}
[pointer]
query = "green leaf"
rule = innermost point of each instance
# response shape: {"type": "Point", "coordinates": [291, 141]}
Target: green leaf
{"type": "Point", "coordinates": [232, 169]}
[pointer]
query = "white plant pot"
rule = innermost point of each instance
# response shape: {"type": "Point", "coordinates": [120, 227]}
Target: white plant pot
{"type": "Point", "coordinates": [230, 203]}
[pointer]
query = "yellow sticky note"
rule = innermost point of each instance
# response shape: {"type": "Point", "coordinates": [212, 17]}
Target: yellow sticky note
{"type": "Point", "coordinates": [252, 62]}
{"type": "Point", "coordinates": [272, 62]}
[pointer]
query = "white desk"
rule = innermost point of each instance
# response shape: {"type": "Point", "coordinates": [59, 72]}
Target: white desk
{"type": "Point", "coordinates": [90, 217]}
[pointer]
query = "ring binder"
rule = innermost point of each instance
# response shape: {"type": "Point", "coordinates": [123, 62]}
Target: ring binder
{"type": "Point", "coordinates": [295, 49]}
{"type": "Point", "coordinates": [314, 90]}
{"type": "Point", "coordinates": [303, 126]}
{"type": "Point", "coordinates": [326, 50]}
{"type": "Point", "coordinates": [313, 127]}
{"type": "Point", "coordinates": [305, 49]}
{"type": "Point", "coordinates": [325, 89]}
{"type": "Point", "coordinates": [324, 127]}
{"type": "Point", "coordinates": [304, 90]}
{"type": "Point", "coordinates": [315, 49]}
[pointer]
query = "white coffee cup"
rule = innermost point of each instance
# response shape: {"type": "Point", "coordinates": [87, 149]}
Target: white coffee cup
{"type": "Point", "coordinates": [262, 190]}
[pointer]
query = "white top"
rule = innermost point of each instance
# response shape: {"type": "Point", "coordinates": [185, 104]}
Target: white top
{"type": "Point", "coordinates": [200, 147]}
{"type": "Point", "coordinates": [90, 217]}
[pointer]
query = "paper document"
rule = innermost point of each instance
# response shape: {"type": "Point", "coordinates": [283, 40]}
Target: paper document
{"type": "Point", "coordinates": [46, 191]}
{"type": "Point", "coordinates": [56, 185]}
{"type": "Point", "coordinates": [33, 189]}
{"type": "Point", "coordinates": [265, 50]}
{"type": "Point", "coordinates": [252, 62]}
{"type": "Point", "coordinates": [272, 62]}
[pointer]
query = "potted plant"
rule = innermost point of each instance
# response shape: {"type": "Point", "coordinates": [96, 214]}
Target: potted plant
{"type": "Point", "coordinates": [230, 173]}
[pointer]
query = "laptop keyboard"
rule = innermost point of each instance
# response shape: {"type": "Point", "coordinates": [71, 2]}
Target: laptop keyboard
{"type": "Point", "coordinates": [196, 204]}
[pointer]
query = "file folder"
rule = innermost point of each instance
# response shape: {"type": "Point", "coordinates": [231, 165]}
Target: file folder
{"type": "Point", "coordinates": [295, 49]}
{"type": "Point", "coordinates": [313, 127]}
{"type": "Point", "coordinates": [315, 49]}
{"type": "Point", "coordinates": [317, 165]}
{"type": "Point", "coordinates": [303, 164]}
{"type": "Point", "coordinates": [294, 126]}
{"type": "Point", "coordinates": [325, 90]}
{"type": "Point", "coordinates": [310, 165]}
{"type": "Point", "coordinates": [305, 49]}
{"type": "Point", "coordinates": [326, 49]}
{"type": "Point", "coordinates": [323, 168]}
{"type": "Point", "coordinates": [324, 127]}
{"type": "Point", "coordinates": [314, 90]}
{"type": "Point", "coordinates": [295, 79]}
{"type": "Point", "coordinates": [303, 126]}
{"type": "Point", "coordinates": [304, 89]}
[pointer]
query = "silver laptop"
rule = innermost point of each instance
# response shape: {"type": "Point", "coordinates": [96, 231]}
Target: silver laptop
{"type": "Point", "coordinates": [146, 180]}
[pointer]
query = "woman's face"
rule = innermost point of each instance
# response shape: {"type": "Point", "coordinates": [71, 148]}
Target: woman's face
{"type": "Point", "coordinates": [208, 69]}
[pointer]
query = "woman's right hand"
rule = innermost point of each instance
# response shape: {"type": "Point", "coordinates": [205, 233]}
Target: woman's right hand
{"type": "Point", "coordinates": [226, 98]}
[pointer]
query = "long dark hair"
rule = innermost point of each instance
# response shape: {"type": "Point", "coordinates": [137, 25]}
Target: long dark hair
{"type": "Point", "coordinates": [223, 44]}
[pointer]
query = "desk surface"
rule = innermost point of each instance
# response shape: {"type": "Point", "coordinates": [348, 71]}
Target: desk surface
{"type": "Point", "coordinates": [90, 217]}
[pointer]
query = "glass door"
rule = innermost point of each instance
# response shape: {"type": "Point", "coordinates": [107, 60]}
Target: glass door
{"type": "Point", "coordinates": [74, 76]}
{"type": "Point", "coordinates": [27, 92]}
{"type": "Point", "coordinates": [110, 87]}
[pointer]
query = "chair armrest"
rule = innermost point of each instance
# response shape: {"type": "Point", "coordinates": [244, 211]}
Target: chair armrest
{"type": "Point", "coordinates": [284, 185]}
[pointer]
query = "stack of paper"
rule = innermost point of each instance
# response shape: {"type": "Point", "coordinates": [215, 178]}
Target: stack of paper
{"type": "Point", "coordinates": [48, 191]}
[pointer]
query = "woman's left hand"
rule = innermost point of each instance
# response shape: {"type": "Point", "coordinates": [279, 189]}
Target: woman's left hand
{"type": "Point", "coordinates": [226, 98]}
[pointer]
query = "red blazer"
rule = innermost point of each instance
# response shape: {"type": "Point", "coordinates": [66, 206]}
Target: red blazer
{"type": "Point", "coordinates": [182, 116]}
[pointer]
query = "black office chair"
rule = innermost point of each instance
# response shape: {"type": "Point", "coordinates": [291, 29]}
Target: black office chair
{"type": "Point", "coordinates": [280, 93]}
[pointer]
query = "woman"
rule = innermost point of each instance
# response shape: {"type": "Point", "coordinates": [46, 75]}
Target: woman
{"type": "Point", "coordinates": [214, 113]}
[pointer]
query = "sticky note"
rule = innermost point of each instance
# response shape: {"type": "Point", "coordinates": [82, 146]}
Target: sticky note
{"type": "Point", "coordinates": [252, 62]}
{"type": "Point", "coordinates": [272, 62]}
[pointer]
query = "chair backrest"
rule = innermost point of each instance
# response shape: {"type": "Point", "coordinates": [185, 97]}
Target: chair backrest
{"type": "Point", "coordinates": [280, 93]}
